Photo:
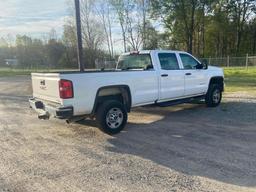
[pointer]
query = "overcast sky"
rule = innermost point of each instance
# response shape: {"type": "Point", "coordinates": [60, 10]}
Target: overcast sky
{"type": "Point", "coordinates": [32, 17]}
{"type": "Point", "coordinates": [36, 18]}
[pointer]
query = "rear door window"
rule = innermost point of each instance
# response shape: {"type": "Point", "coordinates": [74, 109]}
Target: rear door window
{"type": "Point", "coordinates": [168, 61]}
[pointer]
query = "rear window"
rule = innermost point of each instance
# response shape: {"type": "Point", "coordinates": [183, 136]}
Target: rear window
{"type": "Point", "coordinates": [136, 61]}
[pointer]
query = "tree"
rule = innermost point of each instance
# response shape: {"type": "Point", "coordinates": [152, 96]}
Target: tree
{"type": "Point", "coordinates": [253, 31]}
{"type": "Point", "coordinates": [3, 42]}
{"type": "Point", "coordinates": [24, 51]}
{"type": "Point", "coordinates": [53, 34]}
{"type": "Point", "coordinates": [178, 16]}
{"type": "Point", "coordinates": [120, 7]}
{"type": "Point", "coordinates": [144, 4]}
{"type": "Point", "coordinates": [69, 58]}
{"type": "Point", "coordinates": [132, 17]}
{"type": "Point", "coordinates": [55, 50]}
{"type": "Point", "coordinates": [134, 28]}
{"type": "Point", "coordinates": [218, 33]}
{"type": "Point", "coordinates": [105, 12]}
{"type": "Point", "coordinates": [240, 10]}
{"type": "Point", "coordinates": [93, 32]}
{"type": "Point", "coordinates": [151, 38]}
{"type": "Point", "coordinates": [206, 28]}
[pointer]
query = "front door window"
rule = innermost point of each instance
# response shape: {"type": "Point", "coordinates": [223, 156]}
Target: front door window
{"type": "Point", "coordinates": [189, 62]}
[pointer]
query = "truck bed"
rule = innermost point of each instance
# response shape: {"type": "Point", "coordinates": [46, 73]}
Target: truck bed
{"type": "Point", "coordinates": [86, 84]}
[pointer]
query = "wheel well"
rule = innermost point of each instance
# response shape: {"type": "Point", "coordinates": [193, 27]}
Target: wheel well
{"type": "Point", "coordinates": [120, 93]}
{"type": "Point", "coordinates": [217, 80]}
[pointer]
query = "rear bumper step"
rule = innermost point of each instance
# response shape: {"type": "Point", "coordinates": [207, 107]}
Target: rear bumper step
{"type": "Point", "coordinates": [45, 110]}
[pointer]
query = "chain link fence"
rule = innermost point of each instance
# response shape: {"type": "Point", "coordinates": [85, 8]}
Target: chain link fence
{"type": "Point", "coordinates": [242, 62]}
{"type": "Point", "coordinates": [14, 65]}
{"type": "Point", "coordinates": [248, 61]}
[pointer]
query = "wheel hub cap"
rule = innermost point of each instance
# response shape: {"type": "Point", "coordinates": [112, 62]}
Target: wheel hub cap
{"type": "Point", "coordinates": [114, 118]}
{"type": "Point", "coordinates": [216, 96]}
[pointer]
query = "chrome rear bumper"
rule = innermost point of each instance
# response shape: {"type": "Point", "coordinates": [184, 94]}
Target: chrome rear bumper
{"type": "Point", "coordinates": [46, 110]}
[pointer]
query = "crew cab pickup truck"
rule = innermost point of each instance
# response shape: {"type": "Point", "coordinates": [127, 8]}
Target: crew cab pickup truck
{"type": "Point", "coordinates": [140, 78]}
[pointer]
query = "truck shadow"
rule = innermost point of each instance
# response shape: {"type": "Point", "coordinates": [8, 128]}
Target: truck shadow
{"type": "Point", "coordinates": [216, 143]}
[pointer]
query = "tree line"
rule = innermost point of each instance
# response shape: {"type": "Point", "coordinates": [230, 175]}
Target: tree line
{"type": "Point", "coordinates": [205, 28]}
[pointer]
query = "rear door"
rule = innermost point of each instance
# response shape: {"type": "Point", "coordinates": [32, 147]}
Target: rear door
{"type": "Point", "coordinates": [171, 76]}
{"type": "Point", "coordinates": [141, 75]}
{"type": "Point", "coordinates": [46, 86]}
{"type": "Point", "coordinates": [196, 81]}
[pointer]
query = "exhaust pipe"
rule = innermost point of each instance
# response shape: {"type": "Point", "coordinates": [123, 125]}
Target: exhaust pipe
{"type": "Point", "coordinates": [44, 116]}
{"type": "Point", "coordinates": [75, 119]}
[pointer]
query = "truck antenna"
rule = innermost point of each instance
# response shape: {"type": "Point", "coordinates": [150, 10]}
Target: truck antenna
{"type": "Point", "coordinates": [79, 36]}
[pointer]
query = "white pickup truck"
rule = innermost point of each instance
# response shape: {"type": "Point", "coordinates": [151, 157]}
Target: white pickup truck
{"type": "Point", "coordinates": [140, 78]}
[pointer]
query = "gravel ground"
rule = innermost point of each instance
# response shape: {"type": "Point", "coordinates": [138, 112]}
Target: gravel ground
{"type": "Point", "coordinates": [182, 148]}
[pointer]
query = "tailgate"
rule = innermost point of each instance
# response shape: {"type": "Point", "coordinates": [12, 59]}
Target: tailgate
{"type": "Point", "coordinates": [46, 86]}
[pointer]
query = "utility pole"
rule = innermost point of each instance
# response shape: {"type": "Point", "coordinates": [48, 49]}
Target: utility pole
{"type": "Point", "coordinates": [79, 36]}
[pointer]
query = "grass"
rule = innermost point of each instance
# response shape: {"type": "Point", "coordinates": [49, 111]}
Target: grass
{"type": "Point", "coordinates": [6, 72]}
{"type": "Point", "coordinates": [236, 79]}
{"type": "Point", "coordinates": [240, 79]}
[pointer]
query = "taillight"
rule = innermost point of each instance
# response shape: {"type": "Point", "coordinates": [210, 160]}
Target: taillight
{"type": "Point", "coordinates": [66, 89]}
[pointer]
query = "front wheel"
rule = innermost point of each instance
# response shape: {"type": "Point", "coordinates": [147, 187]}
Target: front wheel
{"type": "Point", "coordinates": [213, 96]}
{"type": "Point", "coordinates": [111, 117]}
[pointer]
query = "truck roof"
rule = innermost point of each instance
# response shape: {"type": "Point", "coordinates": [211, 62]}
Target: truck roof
{"type": "Point", "coordinates": [150, 51]}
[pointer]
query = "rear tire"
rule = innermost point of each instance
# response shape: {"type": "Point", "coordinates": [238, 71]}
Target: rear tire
{"type": "Point", "coordinates": [111, 117]}
{"type": "Point", "coordinates": [213, 96]}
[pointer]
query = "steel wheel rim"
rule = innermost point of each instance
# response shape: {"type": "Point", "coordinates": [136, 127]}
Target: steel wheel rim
{"type": "Point", "coordinates": [216, 96]}
{"type": "Point", "coordinates": [114, 118]}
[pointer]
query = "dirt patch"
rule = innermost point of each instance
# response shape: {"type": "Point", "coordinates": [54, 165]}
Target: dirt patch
{"type": "Point", "coordinates": [182, 148]}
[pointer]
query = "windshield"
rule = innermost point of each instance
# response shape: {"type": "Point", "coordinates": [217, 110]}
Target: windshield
{"type": "Point", "coordinates": [136, 61]}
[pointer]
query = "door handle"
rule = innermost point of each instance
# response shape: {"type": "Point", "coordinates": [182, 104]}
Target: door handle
{"type": "Point", "coordinates": [164, 75]}
{"type": "Point", "coordinates": [188, 74]}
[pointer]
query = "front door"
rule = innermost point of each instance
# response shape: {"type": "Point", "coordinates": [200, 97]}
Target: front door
{"type": "Point", "coordinates": [196, 80]}
{"type": "Point", "coordinates": [171, 77]}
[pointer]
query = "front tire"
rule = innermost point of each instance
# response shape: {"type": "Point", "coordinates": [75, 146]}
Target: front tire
{"type": "Point", "coordinates": [111, 117]}
{"type": "Point", "coordinates": [213, 96]}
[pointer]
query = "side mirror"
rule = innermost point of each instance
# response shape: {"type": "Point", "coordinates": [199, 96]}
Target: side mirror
{"type": "Point", "coordinates": [199, 66]}
{"type": "Point", "coordinates": [204, 63]}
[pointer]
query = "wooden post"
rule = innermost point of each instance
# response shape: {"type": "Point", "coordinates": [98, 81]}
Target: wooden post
{"type": "Point", "coordinates": [246, 63]}
{"type": "Point", "coordinates": [79, 36]}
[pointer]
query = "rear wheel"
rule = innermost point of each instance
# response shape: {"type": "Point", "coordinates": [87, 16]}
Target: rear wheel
{"type": "Point", "coordinates": [213, 96]}
{"type": "Point", "coordinates": [111, 116]}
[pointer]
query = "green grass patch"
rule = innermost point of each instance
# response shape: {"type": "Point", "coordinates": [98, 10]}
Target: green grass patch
{"type": "Point", "coordinates": [240, 79]}
{"type": "Point", "coordinates": [5, 72]}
